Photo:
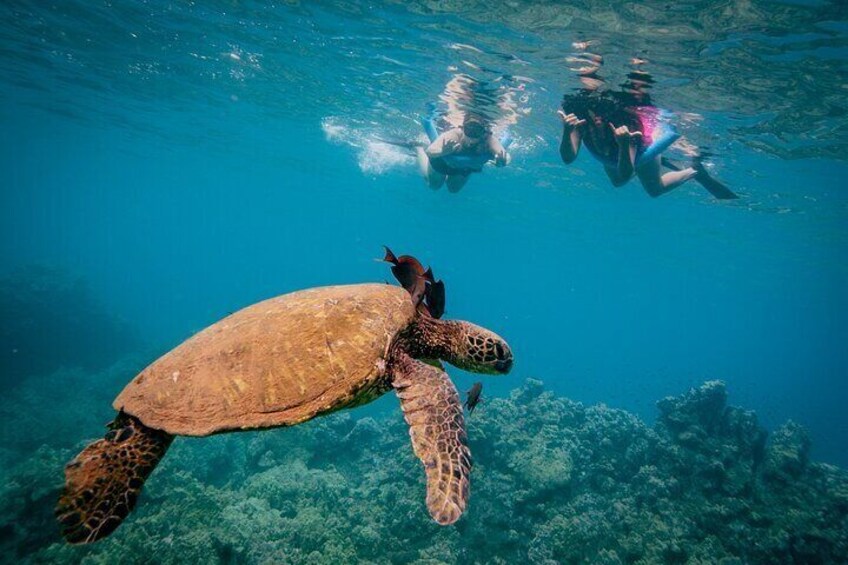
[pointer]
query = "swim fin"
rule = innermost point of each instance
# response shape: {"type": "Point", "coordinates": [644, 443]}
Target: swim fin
{"type": "Point", "coordinates": [713, 186]}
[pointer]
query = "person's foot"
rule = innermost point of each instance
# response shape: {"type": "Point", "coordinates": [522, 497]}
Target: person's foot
{"type": "Point", "coordinates": [692, 173]}
{"type": "Point", "coordinates": [698, 166]}
{"type": "Point", "coordinates": [712, 185]}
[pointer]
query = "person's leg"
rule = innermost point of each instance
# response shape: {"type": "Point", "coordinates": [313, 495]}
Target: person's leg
{"type": "Point", "coordinates": [456, 182]}
{"type": "Point", "coordinates": [656, 183]}
{"type": "Point", "coordinates": [713, 186]}
{"type": "Point", "coordinates": [434, 178]}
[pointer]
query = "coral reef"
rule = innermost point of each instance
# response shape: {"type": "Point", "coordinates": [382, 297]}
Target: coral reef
{"type": "Point", "coordinates": [50, 321]}
{"type": "Point", "coordinates": [554, 482]}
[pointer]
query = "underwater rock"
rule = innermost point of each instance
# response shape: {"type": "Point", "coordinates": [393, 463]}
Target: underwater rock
{"type": "Point", "coordinates": [713, 446]}
{"type": "Point", "coordinates": [26, 496]}
{"type": "Point", "coordinates": [531, 389]}
{"type": "Point", "coordinates": [541, 466]}
{"type": "Point", "coordinates": [554, 482]}
{"type": "Point", "coordinates": [694, 414]}
{"type": "Point", "coordinates": [363, 432]}
{"type": "Point", "coordinates": [787, 453]}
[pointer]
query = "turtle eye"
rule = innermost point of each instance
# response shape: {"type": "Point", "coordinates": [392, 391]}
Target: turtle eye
{"type": "Point", "coordinates": [499, 351]}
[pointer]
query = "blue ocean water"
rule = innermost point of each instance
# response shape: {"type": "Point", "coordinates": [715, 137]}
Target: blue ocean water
{"type": "Point", "coordinates": [186, 160]}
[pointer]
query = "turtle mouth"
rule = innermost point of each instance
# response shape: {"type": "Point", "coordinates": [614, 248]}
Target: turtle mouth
{"type": "Point", "coordinates": [503, 356]}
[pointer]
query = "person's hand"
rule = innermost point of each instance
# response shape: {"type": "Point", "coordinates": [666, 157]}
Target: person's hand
{"type": "Point", "coordinates": [624, 137]}
{"type": "Point", "coordinates": [570, 120]}
{"type": "Point", "coordinates": [501, 158]}
{"type": "Point", "coordinates": [451, 146]}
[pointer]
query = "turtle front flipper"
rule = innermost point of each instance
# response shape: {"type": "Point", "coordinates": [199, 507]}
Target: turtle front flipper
{"type": "Point", "coordinates": [433, 411]}
{"type": "Point", "coordinates": [104, 480]}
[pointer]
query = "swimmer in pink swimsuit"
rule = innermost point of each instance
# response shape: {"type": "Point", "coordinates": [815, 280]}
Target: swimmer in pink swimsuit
{"type": "Point", "coordinates": [618, 128]}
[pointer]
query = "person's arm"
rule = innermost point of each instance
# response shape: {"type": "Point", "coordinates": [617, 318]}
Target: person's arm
{"type": "Point", "coordinates": [498, 152]}
{"type": "Point", "coordinates": [570, 144]}
{"type": "Point", "coordinates": [625, 167]}
{"type": "Point", "coordinates": [445, 144]}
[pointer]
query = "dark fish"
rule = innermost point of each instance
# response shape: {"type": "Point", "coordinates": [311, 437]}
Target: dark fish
{"type": "Point", "coordinates": [434, 295]}
{"type": "Point", "coordinates": [409, 273]}
{"type": "Point", "coordinates": [472, 397]}
{"type": "Point", "coordinates": [434, 298]}
{"type": "Point", "coordinates": [428, 294]}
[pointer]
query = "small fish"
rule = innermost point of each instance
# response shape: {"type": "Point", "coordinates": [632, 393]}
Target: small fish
{"type": "Point", "coordinates": [434, 297]}
{"type": "Point", "coordinates": [472, 397]}
{"type": "Point", "coordinates": [409, 273]}
{"type": "Point", "coordinates": [428, 294]}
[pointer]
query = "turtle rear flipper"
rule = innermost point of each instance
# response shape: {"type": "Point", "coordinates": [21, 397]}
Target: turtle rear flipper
{"type": "Point", "coordinates": [102, 483]}
{"type": "Point", "coordinates": [433, 411]}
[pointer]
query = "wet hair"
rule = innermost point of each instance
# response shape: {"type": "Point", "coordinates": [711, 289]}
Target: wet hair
{"type": "Point", "coordinates": [470, 117]}
{"type": "Point", "coordinates": [610, 106]}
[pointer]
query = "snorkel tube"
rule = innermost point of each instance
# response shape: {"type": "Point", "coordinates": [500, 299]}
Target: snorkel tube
{"type": "Point", "coordinates": [659, 145]}
{"type": "Point", "coordinates": [665, 136]}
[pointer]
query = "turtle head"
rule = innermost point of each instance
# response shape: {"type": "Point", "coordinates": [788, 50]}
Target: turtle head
{"type": "Point", "coordinates": [462, 344]}
{"type": "Point", "coordinates": [479, 350]}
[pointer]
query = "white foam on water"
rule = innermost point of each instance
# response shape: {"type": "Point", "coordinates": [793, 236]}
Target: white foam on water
{"type": "Point", "coordinates": [377, 157]}
{"type": "Point", "coordinates": [333, 131]}
{"type": "Point", "coordinates": [374, 157]}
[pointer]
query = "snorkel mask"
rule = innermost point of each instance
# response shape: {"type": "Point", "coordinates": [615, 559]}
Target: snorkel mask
{"type": "Point", "coordinates": [474, 128]}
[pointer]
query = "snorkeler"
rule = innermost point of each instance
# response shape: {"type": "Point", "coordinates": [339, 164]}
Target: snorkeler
{"type": "Point", "coordinates": [455, 154]}
{"type": "Point", "coordinates": [470, 131]}
{"type": "Point", "coordinates": [626, 133]}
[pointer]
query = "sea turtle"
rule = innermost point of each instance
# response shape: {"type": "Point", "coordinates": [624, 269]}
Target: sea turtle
{"type": "Point", "coordinates": [278, 363]}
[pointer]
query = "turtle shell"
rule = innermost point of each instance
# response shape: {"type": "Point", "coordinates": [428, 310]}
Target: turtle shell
{"type": "Point", "coordinates": [276, 363]}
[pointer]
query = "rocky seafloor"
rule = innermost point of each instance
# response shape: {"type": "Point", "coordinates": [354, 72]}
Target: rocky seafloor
{"type": "Point", "coordinates": [554, 482]}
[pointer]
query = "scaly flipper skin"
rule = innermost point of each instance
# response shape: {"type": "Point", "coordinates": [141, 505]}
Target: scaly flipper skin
{"type": "Point", "coordinates": [103, 482]}
{"type": "Point", "coordinates": [433, 411]}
